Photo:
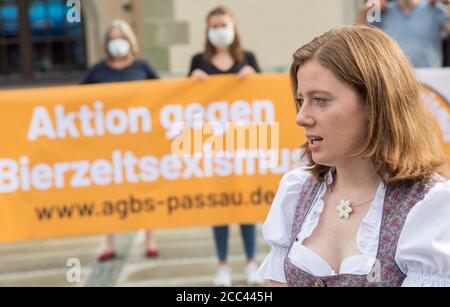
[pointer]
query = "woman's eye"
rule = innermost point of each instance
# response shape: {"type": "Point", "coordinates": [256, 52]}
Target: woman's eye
{"type": "Point", "coordinates": [320, 100]}
{"type": "Point", "coordinates": [299, 101]}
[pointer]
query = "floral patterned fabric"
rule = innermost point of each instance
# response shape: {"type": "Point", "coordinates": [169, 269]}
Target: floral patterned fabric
{"type": "Point", "coordinates": [400, 199]}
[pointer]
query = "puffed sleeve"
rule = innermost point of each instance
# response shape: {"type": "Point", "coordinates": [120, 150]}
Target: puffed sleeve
{"type": "Point", "coordinates": [423, 251]}
{"type": "Point", "coordinates": [277, 229]}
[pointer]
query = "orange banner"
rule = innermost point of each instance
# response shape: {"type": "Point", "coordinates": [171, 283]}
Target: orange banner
{"type": "Point", "coordinates": [84, 160]}
{"type": "Point", "coordinates": [97, 159]}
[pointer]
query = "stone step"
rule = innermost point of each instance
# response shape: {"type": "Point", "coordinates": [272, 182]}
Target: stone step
{"type": "Point", "coordinates": [49, 246]}
{"type": "Point", "coordinates": [42, 261]}
{"type": "Point", "coordinates": [44, 278]}
{"type": "Point", "coordinates": [182, 272]}
{"type": "Point", "coordinates": [187, 258]}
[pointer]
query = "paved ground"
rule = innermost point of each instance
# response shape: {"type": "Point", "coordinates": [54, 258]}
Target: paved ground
{"type": "Point", "coordinates": [187, 259]}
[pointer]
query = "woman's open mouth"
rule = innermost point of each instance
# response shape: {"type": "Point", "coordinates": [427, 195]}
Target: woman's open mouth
{"type": "Point", "coordinates": [314, 142]}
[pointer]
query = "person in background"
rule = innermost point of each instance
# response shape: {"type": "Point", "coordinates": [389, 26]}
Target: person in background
{"type": "Point", "coordinates": [121, 65]}
{"type": "Point", "coordinates": [223, 54]}
{"type": "Point", "coordinates": [417, 25]}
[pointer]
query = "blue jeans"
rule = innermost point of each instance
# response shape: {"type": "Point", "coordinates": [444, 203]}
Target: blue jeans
{"type": "Point", "coordinates": [248, 233]}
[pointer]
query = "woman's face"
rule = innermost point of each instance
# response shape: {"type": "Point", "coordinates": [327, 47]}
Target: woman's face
{"type": "Point", "coordinates": [118, 46]}
{"type": "Point", "coordinates": [116, 33]}
{"type": "Point", "coordinates": [333, 115]}
{"type": "Point", "coordinates": [221, 33]}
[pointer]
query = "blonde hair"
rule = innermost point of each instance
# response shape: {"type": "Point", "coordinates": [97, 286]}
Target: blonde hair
{"type": "Point", "coordinates": [128, 33]}
{"type": "Point", "coordinates": [402, 136]}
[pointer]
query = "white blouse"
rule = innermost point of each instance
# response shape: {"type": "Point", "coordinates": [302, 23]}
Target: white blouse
{"type": "Point", "coordinates": [423, 251]}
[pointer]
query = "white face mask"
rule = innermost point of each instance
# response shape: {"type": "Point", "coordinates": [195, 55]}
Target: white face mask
{"type": "Point", "coordinates": [119, 47]}
{"type": "Point", "coordinates": [221, 37]}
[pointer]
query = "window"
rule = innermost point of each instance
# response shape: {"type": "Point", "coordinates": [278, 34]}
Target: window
{"type": "Point", "coordinates": [37, 42]}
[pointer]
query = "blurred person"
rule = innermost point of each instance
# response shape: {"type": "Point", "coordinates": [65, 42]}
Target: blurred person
{"type": "Point", "coordinates": [121, 65]}
{"type": "Point", "coordinates": [417, 25]}
{"type": "Point", "coordinates": [372, 206]}
{"type": "Point", "coordinates": [224, 54]}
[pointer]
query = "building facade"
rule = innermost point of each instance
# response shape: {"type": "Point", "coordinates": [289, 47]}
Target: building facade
{"type": "Point", "coordinates": [38, 44]}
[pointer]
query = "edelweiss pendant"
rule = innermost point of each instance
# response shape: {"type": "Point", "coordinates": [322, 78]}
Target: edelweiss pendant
{"type": "Point", "coordinates": [344, 209]}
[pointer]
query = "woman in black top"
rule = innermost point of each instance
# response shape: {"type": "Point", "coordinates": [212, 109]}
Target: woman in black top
{"type": "Point", "coordinates": [201, 67]}
{"type": "Point", "coordinates": [121, 65]}
{"type": "Point", "coordinates": [223, 54]}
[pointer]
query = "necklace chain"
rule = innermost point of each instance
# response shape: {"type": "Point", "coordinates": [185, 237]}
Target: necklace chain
{"type": "Point", "coordinates": [361, 204]}
{"type": "Point", "coordinates": [354, 206]}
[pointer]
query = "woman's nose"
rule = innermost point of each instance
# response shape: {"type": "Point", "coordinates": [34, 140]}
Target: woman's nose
{"type": "Point", "coordinates": [304, 118]}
